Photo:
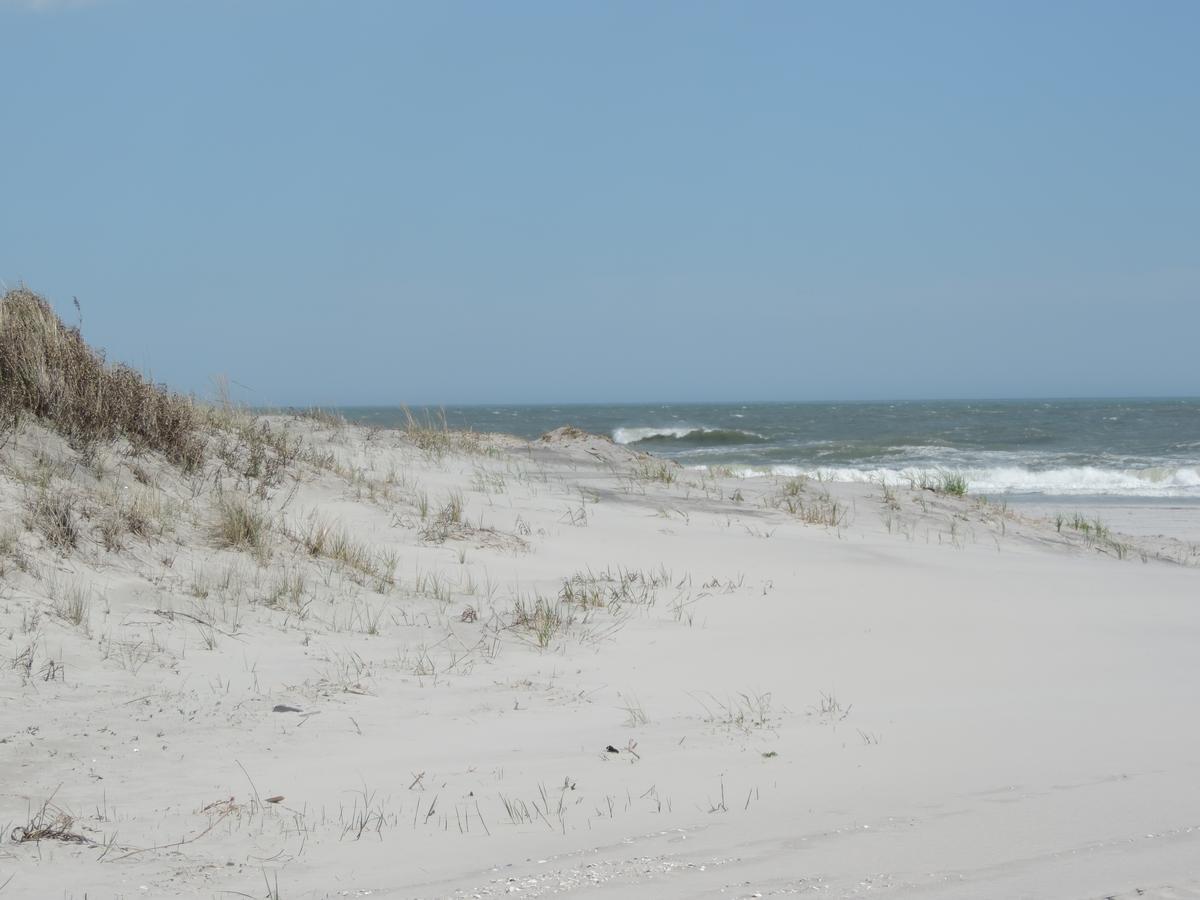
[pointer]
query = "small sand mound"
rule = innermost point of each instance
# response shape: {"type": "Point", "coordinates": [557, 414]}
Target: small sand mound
{"type": "Point", "coordinates": [569, 433]}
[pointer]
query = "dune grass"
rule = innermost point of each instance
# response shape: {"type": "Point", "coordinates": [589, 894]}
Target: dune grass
{"type": "Point", "coordinates": [434, 436]}
{"type": "Point", "coordinates": [448, 521]}
{"type": "Point", "coordinates": [49, 372]}
{"type": "Point", "coordinates": [53, 512]}
{"type": "Point", "coordinates": [321, 538]}
{"type": "Point", "coordinates": [939, 481]}
{"type": "Point", "coordinates": [952, 483]}
{"type": "Point", "coordinates": [543, 619]}
{"type": "Point", "coordinates": [241, 525]}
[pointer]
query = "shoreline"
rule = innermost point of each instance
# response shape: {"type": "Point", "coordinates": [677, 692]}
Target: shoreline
{"type": "Point", "coordinates": [1045, 448]}
{"type": "Point", "coordinates": [1140, 517]}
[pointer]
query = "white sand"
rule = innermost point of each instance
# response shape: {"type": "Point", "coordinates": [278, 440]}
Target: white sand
{"type": "Point", "coordinates": [940, 700]}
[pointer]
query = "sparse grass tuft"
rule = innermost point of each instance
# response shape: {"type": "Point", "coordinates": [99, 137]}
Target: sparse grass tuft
{"type": "Point", "coordinates": [447, 521]}
{"type": "Point", "coordinates": [324, 539]}
{"type": "Point", "coordinates": [142, 516]}
{"type": "Point", "coordinates": [1095, 534]}
{"type": "Point", "coordinates": [73, 605]}
{"type": "Point", "coordinates": [1093, 530]}
{"type": "Point", "coordinates": [614, 588]}
{"type": "Point", "coordinates": [325, 417]}
{"type": "Point", "coordinates": [658, 470]}
{"type": "Point", "coordinates": [52, 512]}
{"type": "Point", "coordinates": [289, 594]}
{"type": "Point", "coordinates": [11, 550]}
{"type": "Point", "coordinates": [436, 438]}
{"type": "Point", "coordinates": [251, 449]}
{"type": "Point", "coordinates": [745, 711]}
{"type": "Point", "coordinates": [794, 487]}
{"type": "Point", "coordinates": [821, 509]}
{"type": "Point", "coordinates": [635, 714]}
{"type": "Point", "coordinates": [890, 500]}
{"type": "Point", "coordinates": [543, 619]}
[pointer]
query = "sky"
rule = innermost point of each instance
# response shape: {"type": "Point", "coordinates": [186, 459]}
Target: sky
{"type": "Point", "coordinates": [360, 202]}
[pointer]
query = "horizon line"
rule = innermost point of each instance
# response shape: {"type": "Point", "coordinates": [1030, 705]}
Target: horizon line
{"type": "Point", "coordinates": [860, 401]}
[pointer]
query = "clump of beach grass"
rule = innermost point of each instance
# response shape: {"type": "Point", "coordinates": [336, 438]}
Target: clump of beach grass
{"type": "Point", "coordinates": [436, 438]}
{"type": "Point", "coordinates": [794, 487]}
{"type": "Point", "coordinates": [543, 619]}
{"type": "Point", "coordinates": [321, 416]}
{"type": "Point", "coordinates": [49, 372]}
{"type": "Point", "coordinates": [952, 483]}
{"type": "Point", "coordinates": [241, 524]}
{"type": "Point", "coordinates": [658, 470]}
{"type": "Point", "coordinates": [144, 515]}
{"type": "Point", "coordinates": [73, 605]}
{"type": "Point", "coordinates": [11, 551]}
{"type": "Point", "coordinates": [257, 453]}
{"type": "Point", "coordinates": [447, 521]}
{"type": "Point", "coordinates": [52, 512]}
{"type": "Point", "coordinates": [940, 481]}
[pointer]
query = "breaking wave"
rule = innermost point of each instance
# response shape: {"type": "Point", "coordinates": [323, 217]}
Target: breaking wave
{"type": "Point", "coordinates": [689, 435]}
{"type": "Point", "coordinates": [1151, 481]}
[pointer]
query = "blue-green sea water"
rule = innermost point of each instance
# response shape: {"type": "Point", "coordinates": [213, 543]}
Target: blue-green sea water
{"type": "Point", "coordinates": [1100, 448]}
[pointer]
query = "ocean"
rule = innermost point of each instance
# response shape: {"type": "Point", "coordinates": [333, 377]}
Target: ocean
{"type": "Point", "coordinates": [1144, 449]}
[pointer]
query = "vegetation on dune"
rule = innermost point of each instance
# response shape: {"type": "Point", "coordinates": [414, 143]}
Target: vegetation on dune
{"type": "Point", "coordinates": [48, 371]}
{"type": "Point", "coordinates": [953, 483]}
{"type": "Point", "coordinates": [940, 481]}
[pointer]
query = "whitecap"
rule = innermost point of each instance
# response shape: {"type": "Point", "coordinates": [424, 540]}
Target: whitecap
{"type": "Point", "coordinates": [1148, 481]}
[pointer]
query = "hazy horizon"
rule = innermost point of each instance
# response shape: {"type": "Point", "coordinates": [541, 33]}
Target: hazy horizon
{"type": "Point", "coordinates": [449, 204]}
{"type": "Point", "coordinates": [752, 401]}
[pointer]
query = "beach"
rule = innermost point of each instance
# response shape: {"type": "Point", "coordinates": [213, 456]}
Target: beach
{"type": "Point", "coordinates": [452, 664]}
{"type": "Point", "coordinates": [599, 451]}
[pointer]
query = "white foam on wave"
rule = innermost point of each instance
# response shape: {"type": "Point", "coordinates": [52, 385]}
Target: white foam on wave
{"type": "Point", "coordinates": [629, 435]}
{"type": "Point", "coordinates": [1151, 481]}
{"type": "Point", "coordinates": [633, 435]}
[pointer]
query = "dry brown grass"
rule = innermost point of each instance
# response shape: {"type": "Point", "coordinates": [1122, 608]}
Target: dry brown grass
{"type": "Point", "coordinates": [144, 515]}
{"type": "Point", "coordinates": [11, 551]}
{"type": "Point", "coordinates": [53, 513]}
{"type": "Point", "coordinates": [48, 371]}
{"type": "Point", "coordinates": [240, 524]}
{"type": "Point", "coordinates": [321, 538]}
{"type": "Point", "coordinates": [49, 823]}
{"type": "Point", "coordinates": [325, 417]}
{"type": "Point", "coordinates": [435, 437]}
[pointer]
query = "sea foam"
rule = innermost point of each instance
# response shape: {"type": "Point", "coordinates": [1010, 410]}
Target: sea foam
{"type": "Point", "coordinates": [1151, 481]}
{"type": "Point", "coordinates": [695, 435]}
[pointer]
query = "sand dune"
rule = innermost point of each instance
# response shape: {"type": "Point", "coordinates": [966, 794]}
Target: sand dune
{"type": "Point", "coordinates": [402, 678]}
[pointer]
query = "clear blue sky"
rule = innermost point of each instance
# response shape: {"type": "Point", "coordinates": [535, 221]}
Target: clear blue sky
{"type": "Point", "coordinates": [378, 202]}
